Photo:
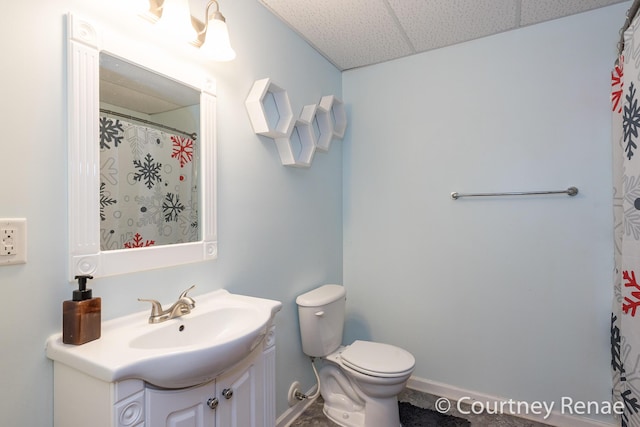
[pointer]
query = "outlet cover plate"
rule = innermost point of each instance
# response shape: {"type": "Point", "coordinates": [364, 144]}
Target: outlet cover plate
{"type": "Point", "coordinates": [13, 241]}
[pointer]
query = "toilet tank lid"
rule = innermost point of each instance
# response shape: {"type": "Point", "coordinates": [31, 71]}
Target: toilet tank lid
{"type": "Point", "coordinates": [325, 294]}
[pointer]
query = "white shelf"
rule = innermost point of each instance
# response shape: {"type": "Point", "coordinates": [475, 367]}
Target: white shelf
{"type": "Point", "coordinates": [270, 114]}
{"type": "Point", "coordinates": [269, 110]}
{"type": "Point", "coordinates": [338, 114]}
{"type": "Point", "coordinates": [323, 128]}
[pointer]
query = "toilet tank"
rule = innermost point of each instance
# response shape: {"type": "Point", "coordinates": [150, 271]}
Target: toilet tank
{"type": "Point", "coordinates": [321, 313]}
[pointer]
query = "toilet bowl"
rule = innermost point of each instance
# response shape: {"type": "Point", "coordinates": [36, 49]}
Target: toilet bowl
{"type": "Point", "coordinates": [358, 382]}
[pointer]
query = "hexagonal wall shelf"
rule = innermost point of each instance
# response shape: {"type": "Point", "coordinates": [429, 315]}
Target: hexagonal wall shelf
{"type": "Point", "coordinates": [298, 149]}
{"type": "Point", "coordinates": [270, 114]}
{"type": "Point", "coordinates": [323, 128]}
{"type": "Point", "coordinates": [269, 109]}
{"type": "Point", "coordinates": [337, 114]}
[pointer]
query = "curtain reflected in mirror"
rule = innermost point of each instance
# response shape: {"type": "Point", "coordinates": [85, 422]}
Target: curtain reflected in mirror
{"type": "Point", "coordinates": [148, 158]}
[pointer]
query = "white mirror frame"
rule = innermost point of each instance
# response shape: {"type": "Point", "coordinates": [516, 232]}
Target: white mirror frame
{"type": "Point", "coordinates": [85, 257]}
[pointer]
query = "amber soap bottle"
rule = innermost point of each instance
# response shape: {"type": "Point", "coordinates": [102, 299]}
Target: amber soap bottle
{"type": "Point", "coordinates": [81, 317]}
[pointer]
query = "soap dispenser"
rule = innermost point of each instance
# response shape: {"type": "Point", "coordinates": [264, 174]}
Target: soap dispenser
{"type": "Point", "coordinates": [81, 316]}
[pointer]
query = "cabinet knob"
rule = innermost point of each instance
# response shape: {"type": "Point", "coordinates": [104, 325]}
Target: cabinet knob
{"type": "Point", "coordinates": [212, 403]}
{"type": "Point", "coordinates": [227, 393]}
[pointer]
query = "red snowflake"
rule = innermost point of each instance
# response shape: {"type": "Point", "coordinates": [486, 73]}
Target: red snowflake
{"type": "Point", "coordinates": [138, 242]}
{"type": "Point", "coordinates": [182, 149]}
{"type": "Point", "coordinates": [631, 304]}
{"type": "Point", "coordinates": [616, 86]}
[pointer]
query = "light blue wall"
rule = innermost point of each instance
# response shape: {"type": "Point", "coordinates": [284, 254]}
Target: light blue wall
{"type": "Point", "coordinates": [280, 229]}
{"type": "Point", "coordinates": [511, 296]}
{"type": "Point", "coordinates": [507, 297]}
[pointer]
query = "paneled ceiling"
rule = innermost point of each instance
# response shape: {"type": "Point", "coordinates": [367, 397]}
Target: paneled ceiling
{"type": "Point", "coordinates": [355, 33]}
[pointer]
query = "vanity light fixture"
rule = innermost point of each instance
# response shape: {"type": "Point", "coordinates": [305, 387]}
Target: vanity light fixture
{"type": "Point", "coordinates": [212, 36]}
{"type": "Point", "coordinates": [151, 10]}
{"type": "Point", "coordinates": [175, 19]}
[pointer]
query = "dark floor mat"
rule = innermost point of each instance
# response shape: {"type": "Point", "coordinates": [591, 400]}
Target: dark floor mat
{"type": "Point", "coordinates": [412, 416]}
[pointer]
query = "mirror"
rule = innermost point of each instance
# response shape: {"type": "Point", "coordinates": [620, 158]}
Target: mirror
{"type": "Point", "coordinates": [141, 156]}
{"type": "Point", "coordinates": [149, 127]}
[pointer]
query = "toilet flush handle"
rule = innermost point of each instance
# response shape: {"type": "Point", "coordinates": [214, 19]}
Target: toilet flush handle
{"type": "Point", "coordinates": [319, 313]}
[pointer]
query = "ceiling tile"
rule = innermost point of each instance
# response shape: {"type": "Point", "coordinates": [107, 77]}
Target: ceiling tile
{"type": "Point", "coordinates": [436, 23]}
{"type": "Point", "coordinates": [349, 33]}
{"type": "Point", "coordinates": [534, 11]}
{"type": "Point", "coordinates": [354, 33]}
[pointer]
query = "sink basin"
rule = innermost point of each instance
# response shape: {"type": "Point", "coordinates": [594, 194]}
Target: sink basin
{"type": "Point", "coordinates": [219, 332]}
{"type": "Point", "coordinates": [222, 324]}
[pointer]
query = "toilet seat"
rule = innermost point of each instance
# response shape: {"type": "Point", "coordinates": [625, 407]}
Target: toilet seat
{"type": "Point", "coordinates": [377, 359]}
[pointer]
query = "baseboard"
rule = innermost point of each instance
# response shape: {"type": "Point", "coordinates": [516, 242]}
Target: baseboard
{"type": "Point", "coordinates": [291, 414]}
{"type": "Point", "coordinates": [557, 418]}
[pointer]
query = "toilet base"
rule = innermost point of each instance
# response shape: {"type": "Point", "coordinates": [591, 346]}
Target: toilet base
{"type": "Point", "coordinates": [347, 405]}
{"type": "Point", "coordinates": [383, 416]}
{"type": "Point", "coordinates": [344, 419]}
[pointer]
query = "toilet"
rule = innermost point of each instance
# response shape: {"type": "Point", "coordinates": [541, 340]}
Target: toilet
{"type": "Point", "coordinates": [359, 382]}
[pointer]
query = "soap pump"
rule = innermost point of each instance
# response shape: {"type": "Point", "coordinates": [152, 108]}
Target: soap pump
{"type": "Point", "coordinates": [81, 316]}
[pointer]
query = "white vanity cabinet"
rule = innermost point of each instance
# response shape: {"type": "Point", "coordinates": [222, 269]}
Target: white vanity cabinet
{"type": "Point", "coordinates": [177, 408]}
{"type": "Point", "coordinates": [243, 396]}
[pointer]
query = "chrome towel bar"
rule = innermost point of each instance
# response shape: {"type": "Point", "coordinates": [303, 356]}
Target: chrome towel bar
{"type": "Point", "coordinates": [571, 191]}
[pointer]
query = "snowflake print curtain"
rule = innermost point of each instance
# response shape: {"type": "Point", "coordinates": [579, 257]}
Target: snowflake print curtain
{"type": "Point", "coordinates": [625, 317]}
{"type": "Point", "coordinates": [148, 191]}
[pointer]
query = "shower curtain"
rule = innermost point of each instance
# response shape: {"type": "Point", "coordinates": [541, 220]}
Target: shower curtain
{"type": "Point", "coordinates": [625, 317]}
{"type": "Point", "coordinates": [148, 191]}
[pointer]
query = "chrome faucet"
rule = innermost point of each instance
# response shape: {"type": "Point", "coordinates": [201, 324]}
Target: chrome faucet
{"type": "Point", "coordinates": [182, 306]}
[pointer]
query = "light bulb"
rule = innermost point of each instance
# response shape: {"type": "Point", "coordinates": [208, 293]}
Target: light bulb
{"type": "Point", "coordinates": [217, 44]}
{"type": "Point", "coordinates": [176, 20]}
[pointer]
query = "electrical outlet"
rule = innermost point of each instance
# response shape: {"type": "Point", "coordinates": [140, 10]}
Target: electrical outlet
{"type": "Point", "coordinates": [7, 246]}
{"type": "Point", "coordinates": [13, 241]}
